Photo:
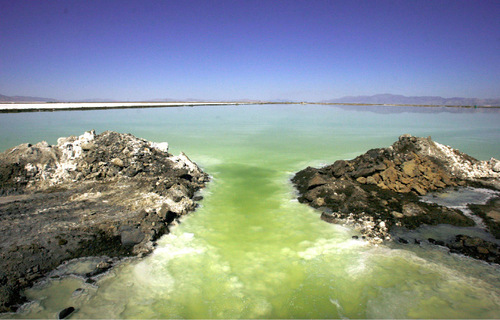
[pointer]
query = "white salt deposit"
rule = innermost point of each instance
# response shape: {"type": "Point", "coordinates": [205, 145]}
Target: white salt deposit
{"type": "Point", "coordinates": [101, 105]}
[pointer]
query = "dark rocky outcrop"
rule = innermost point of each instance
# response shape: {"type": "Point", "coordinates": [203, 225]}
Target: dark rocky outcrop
{"type": "Point", "coordinates": [380, 189]}
{"type": "Point", "coordinates": [475, 247]}
{"type": "Point", "coordinates": [109, 194]}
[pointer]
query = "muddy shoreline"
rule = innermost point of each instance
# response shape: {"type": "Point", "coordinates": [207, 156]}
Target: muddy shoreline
{"type": "Point", "coordinates": [93, 195]}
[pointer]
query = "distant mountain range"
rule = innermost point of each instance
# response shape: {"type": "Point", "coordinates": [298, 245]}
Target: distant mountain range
{"type": "Point", "coordinates": [24, 99]}
{"type": "Point", "coordinates": [390, 99]}
{"type": "Point", "coordinates": [4, 98]}
{"type": "Point", "coordinates": [420, 100]}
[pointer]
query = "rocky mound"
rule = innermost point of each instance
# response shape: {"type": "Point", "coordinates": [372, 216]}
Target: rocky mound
{"type": "Point", "coordinates": [380, 189]}
{"type": "Point", "coordinates": [108, 194]}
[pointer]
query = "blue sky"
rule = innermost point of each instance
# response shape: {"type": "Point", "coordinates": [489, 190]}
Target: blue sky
{"type": "Point", "coordinates": [297, 50]}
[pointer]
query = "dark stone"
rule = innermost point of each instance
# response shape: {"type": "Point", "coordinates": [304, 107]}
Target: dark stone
{"type": "Point", "coordinates": [340, 168]}
{"type": "Point", "coordinates": [355, 237]}
{"type": "Point", "coordinates": [66, 313]}
{"type": "Point", "coordinates": [170, 216]}
{"type": "Point", "coordinates": [131, 236]}
{"type": "Point", "coordinates": [363, 172]}
{"type": "Point", "coordinates": [403, 241]}
{"type": "Point", "coordinates": [328, 217]}
{"type": "Point", "coordinates": [187, 177]}
{"type": "Point", "coordinates": [436, 242]}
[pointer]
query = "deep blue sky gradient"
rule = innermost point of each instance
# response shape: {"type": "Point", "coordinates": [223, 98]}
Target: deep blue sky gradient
{"type": "Point", "coordinates": [298, 50]}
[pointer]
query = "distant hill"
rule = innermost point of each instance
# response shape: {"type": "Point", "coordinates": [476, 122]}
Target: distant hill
{"type": "Point", "coordinates": [420, 100]}
{"type": "Point", "coordinates": [25, 99]}
{"type": "Point", "coordinates": [96, 100]}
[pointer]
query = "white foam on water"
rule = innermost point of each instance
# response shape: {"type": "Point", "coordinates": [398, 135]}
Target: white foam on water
{"type": "Point", "coordinates": [322, 247]}
{"type": "Point", "coordinates": [173, 246]}
{"type": "Point", "coordinates": [340, 310]}
{"type": "Point", "coordinates": [205, 161]}
{"type": "Point", "coordinates": [433, 288]}
{"type": "Point", "coordinates": [359, 268]}
{"type": "Point", "coordinates": [152, 276]}
{"type": "Point", "coordinates": [260, 308]}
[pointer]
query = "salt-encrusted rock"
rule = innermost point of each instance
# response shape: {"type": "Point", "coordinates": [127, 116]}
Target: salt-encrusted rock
{"type": "Point", "coordinates": [109, 194]}
{"type": "Point", "coordinates": [494, 164]}
{"type": "Point", "coordinates": [382, 186]}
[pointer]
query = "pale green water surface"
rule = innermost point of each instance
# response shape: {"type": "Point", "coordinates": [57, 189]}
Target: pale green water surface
{"type": "Point", "coordinates": [251, 250]}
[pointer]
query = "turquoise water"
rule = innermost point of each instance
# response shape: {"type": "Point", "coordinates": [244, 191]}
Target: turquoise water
{"type": "Point", "coordinates": [251, 250]}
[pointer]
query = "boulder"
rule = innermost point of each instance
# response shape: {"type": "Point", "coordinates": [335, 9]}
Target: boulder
{"type": "Point", "coordinates": [410, 168]}
{"type": "Point", "coordinates": [63, 314]}
{"type": "Point", "coordinates": [389, 176]}
{"type": "Point", "coordinates": [316, 181]}
{"type": "Point", "coordinates": [130, 236]}
{"type": "Point", "coordinates": [413, 210]}
{"type": "Point", "coordinates": [494, 164]}
{"type": "Point", "coordinates": [117, 162]}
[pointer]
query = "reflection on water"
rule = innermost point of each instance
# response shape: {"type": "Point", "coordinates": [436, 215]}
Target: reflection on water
{"type": "Point", "coordinates": [251, 250]}
{"type": "Point", "coordinates": [435, 109]}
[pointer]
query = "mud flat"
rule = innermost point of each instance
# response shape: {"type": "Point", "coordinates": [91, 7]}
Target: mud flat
{"type": "Point", "coordinates": [381, 191]}
{"type": "Point", "coordinates": [107, 195]}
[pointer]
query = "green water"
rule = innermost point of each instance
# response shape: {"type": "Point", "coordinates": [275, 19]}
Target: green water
{"type": "Point", "coordinates": [251, 250]}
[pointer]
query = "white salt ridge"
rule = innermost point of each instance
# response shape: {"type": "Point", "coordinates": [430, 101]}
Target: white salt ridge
{"type": "Point", "coordinates": [162, 146]}
{"type": "Point", "coordinates": [464, 168]}
{"type": "Point", "coordinates": [102, 105]}
{"type": "Point", "coordinates": [183, 162]}
{"type": "Point", "coordinates": [71, 149]}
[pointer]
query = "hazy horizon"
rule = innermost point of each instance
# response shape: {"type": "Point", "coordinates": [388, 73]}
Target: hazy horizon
{"type": "Point", "coordinates": [258, 50]}
{"type": "Point", "coordinates": [385, 98]}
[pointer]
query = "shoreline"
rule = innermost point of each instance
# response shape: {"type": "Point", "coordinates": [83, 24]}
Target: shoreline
{"type": "Point", "coordinates": [78, 106]}
{"type": "Point", "coordinates": [103, 196]}
{"type": "Point", "coordinates": [382, 189]}
{"type": "Point", "coordinates": [13, 107]}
